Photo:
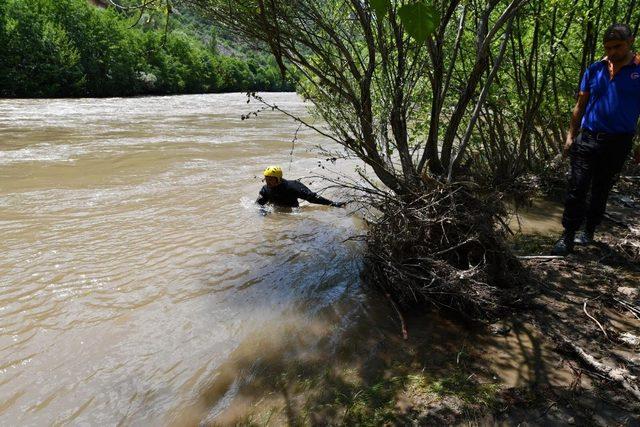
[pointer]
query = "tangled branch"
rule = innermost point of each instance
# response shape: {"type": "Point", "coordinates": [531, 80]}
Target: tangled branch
{"type": "Point", "coordinates": [443, 247]}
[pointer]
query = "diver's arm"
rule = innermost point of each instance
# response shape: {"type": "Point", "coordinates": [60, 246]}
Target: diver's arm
{"type": "Point", "coordinates": [263, 198]}
{"type": "Point", "coordinates": [303, 192]}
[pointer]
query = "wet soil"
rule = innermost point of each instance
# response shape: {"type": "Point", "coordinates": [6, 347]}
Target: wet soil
{"type": "Point", "coordinates": [589, 300]}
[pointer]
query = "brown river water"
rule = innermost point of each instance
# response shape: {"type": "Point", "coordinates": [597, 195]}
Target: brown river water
{"type": "Point", "coordinates": [134, 263]}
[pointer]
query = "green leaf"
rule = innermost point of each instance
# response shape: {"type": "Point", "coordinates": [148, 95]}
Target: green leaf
{"type": "Point", "coordinates": [380, 7]}
{"type": "Point", "coordinates": [419, 19]}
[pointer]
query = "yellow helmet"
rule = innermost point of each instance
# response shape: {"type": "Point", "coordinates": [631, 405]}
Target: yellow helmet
{"type": "Point", "coordinates": [275, 171]}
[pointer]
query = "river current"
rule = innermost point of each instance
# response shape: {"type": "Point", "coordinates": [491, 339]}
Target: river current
{"type": "Point", "coordinates": [134, 263]}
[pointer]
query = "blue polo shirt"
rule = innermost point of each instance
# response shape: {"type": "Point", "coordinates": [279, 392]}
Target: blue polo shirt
{"type": "Point", "coordinates": [614, 101]}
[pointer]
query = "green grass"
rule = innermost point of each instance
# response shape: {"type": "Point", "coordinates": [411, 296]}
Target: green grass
{"type": "Point", "coordinates": [524, 244]}
{"type": "Point", "coordinates": [341, 396]}
{"type": "Point", "coordinates": [461, 385]}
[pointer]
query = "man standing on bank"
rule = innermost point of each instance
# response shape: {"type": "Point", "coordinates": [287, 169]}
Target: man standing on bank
{"type": "Point", "coordinates": [600, 136]}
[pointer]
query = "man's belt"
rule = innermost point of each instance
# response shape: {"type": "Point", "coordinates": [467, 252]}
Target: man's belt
{"type": "Point", "coordinates": [604, 136]}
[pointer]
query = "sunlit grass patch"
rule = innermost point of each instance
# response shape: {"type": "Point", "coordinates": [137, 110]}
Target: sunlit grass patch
{"type": "Point", "coordinates": [462, 385]}
{"type": "Point", "coordinates": [532, 244]}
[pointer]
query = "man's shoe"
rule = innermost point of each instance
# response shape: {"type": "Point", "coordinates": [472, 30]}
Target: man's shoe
{"type": "Point", "coordinates": [584, 238]}
{"type": "Point", "coordinates": [564, 246]}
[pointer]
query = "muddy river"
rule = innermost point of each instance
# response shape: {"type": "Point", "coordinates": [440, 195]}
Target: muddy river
{"type": "Point", "coordinates": [134, 263]}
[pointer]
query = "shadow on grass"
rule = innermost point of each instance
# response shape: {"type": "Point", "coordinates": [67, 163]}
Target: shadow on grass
{"type": "Point", "coordinates": [363, 373]}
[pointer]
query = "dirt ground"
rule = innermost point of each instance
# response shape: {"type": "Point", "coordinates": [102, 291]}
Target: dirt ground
{"type": "Point", "coordinates": [587, 314]}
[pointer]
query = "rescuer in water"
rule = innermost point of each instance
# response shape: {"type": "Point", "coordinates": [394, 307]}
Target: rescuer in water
{"type": "Point", "coordinates": [285, 193]}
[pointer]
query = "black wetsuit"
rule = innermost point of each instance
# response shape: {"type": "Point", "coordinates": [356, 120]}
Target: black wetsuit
{"type": "Point", "coordinates": [287, 193]}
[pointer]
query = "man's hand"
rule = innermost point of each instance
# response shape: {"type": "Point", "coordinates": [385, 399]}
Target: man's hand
{"type": "Point", "coordinates": [576, 119]}
{"type": "Point", "coordinates": [567, 146]}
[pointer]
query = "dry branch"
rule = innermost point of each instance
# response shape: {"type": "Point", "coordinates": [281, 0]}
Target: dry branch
{"type": "Point", "coordinates": [584, 308]}
{"type": "Point", "coordinates": [442, 246]}
{"type": "Point", "coordinates": [540, 257]}
{"type": "Point", "coordinates": [620, 376]}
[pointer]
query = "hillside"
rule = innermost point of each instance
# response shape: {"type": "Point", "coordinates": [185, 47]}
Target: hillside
{"type": "Point", "coordinates": [71, 48]}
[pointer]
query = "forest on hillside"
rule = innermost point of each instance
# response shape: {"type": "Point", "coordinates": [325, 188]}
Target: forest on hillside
{"type": "Point", "coordinates": [70, 48]}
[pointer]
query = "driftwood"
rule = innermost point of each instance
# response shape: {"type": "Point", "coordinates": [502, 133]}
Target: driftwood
{"type": "Point", "coordinates": [442, 246]}
{"type": "Point", "coordinates": [617, 375]}
{"type": "Point", "coordinates": [627, 305]}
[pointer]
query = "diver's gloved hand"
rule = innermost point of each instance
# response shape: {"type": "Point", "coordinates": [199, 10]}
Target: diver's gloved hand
{"type": "Point", "coordinates": [338, 204]}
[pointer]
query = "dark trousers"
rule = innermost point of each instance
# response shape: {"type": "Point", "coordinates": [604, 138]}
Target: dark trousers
{"type": "Point", "coordinates": [596, 161]}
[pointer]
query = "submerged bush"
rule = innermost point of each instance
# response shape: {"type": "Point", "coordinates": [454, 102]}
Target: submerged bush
{"type": "Point", "coordinates": [443, 247]}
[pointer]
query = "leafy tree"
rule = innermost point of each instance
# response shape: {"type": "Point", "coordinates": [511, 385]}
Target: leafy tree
{"type": "Point", "coordinates": [232, 74]}
{"type": "Point", "coordinates": [446, 87]}
{"type": "Point", "coordinates": [373, 69]}
{"type": "Point", "coordinates": [212, 43]}
{"type": "Point", "coordinates": [39, 58]}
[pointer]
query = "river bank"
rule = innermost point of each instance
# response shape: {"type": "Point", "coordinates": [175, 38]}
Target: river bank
{"type": "Point", "coordinates": [535, 367]}
{"type": "Point", "coordinates": [139, 285]}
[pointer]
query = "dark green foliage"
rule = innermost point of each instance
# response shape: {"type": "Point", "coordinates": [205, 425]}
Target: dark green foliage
{"type": "Point", "coordinates": [62, 48]}
{"type": "Point", "coordinates": [420, 19]}
{"type": "Point", "coordinates": [381, 7]}
{"type": "Point", "coordinates": [38, 56]}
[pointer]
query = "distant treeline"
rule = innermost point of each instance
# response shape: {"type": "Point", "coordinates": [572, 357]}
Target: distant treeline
{"type": "Point", "coordinates": [68, 48]}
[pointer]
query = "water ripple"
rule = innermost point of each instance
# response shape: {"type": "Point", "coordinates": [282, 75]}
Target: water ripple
{"type": "Point", "coordinates": [134, 261]}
